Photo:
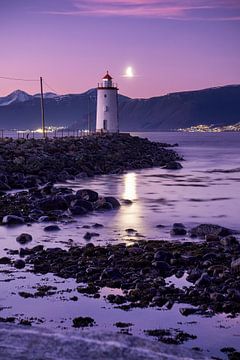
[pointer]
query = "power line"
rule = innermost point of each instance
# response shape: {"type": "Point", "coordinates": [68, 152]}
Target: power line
{"type": "Point", "coordinates": [50, 87]}
{"type": "Point", "coordinates": [16, 79]}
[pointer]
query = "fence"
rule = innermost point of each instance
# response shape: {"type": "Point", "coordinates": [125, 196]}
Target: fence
{"type": "Point", "coordinates": [31, 134]}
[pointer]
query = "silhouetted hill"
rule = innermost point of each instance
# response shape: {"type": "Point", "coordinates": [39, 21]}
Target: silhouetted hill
{"type": "Point", "coordinates": [217, 106]}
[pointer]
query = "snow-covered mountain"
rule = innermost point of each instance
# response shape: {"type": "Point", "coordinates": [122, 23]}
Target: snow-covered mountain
{"type": "Point", "coordinates": [15, 96]}
{"type": "Point", "coordinates": [19, 96]}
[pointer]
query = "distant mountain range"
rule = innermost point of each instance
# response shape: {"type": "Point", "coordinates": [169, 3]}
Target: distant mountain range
{"type": "Point", "coordinates": [214, 106]}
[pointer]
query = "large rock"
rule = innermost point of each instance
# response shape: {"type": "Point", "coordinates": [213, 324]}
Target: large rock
{"type": "Point", "coordinates": [36, 343]}
{"type": "Point", "coordinates": [113, 201]}
{"type": "Point", "coordinates": [235, 265]}
{"type": "Point", "coordinates": [12, 220]}
{"type": "Point", "coordinates": [204, 230]}
{"type": "Point", "coordinates": [52, 203]}
{"type": "Point", "coordinates": [173, 165]}
{"type": "Point", "coordinates": [24, 238]}
{"type": "Point", "coordinates": [87, 194]}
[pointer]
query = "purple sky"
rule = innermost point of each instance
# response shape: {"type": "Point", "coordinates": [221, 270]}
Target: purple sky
{"type": "Point", "coordinates": [172, 45]}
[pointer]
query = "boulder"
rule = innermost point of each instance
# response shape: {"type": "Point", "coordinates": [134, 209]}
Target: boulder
{"type": "Point", "coordinates": [235, 265]}
{"type": "Point", "coordinates": [5, 260]}
{"type": "Point", "coordinates": [204, 230]}
{"type": "Point", "coordinates": [173, 165]}
{"type": "Point", "coordinates": [178, 229]}
{"type": "Point", "coordinates": [12, 220]}
{"type": "Point", "coordinates": [19, 264]}
{"type": "Point", "coordinates": [77, 210]}
{"type": "Point", "coordinates": [87, 194]}
{"type": "Point", "coordinates": [52, 203]}
{"type": "Point", "coordinates": [113, 201]}
{"type": "Point", "coordinates": [82, 203]}
{"type": "Point", "coordinates": [24, 238]}
{"type": "Point", "coordinates": [52, 228]}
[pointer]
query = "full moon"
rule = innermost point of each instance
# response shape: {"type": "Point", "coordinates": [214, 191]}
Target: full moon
{"type": "Point", "coordinates": [129, 72]}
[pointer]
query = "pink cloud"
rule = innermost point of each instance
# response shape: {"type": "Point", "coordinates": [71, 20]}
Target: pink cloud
{"type": "Point", "coordinates": [168, 9]}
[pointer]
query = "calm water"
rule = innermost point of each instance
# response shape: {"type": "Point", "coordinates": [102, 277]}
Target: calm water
{"type": "Point", "coordinates": [205, 190]}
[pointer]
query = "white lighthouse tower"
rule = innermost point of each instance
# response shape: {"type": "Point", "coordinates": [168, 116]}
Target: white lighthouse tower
{"type": "Point", "coordinates": [107, 106]}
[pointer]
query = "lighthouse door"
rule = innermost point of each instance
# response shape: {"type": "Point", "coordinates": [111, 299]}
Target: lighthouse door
{"type": "Point", "coordinates": [105, 125]}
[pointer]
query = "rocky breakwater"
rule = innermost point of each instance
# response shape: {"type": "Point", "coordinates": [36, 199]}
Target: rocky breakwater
{"type": "Point", "coordinates": [33, 162]}
{"type": "Point", "coordinates": [142, 271]}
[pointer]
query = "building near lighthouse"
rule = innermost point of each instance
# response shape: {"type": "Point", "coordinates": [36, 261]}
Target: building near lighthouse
{"type": "Point", "coordinates": [107, 106]}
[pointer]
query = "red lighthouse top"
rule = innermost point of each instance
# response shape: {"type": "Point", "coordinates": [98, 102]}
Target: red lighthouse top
{"type": "Point", "coordinates": [107, 77]}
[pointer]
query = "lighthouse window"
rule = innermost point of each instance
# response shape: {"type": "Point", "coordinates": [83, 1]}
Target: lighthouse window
{"type": "Point", "coordinates": [105, 95]}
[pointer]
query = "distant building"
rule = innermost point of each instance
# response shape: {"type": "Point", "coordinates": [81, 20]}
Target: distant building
{"type": "Point", "coordinates": [107, 106]}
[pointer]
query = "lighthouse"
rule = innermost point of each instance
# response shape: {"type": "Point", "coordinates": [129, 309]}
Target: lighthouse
{"type": "Point", "coordinates": [107, 106]}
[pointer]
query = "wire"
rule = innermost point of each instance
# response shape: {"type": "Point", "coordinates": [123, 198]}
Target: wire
{"type": "Point", "coordinates": [19, 79]}
{"type": "Point", "coordinates": [16, 79]}
{"type": "Point", "coordinates": [51, 88]}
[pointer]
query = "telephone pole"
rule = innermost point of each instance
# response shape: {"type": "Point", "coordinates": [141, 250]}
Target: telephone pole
{"type": "Point", "coordinates": [42, 109]}
{"type": "Point", "coordinates": [89, 119]}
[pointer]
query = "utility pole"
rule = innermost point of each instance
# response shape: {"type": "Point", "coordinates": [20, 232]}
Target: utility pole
{"type": "Point", "coordinates": [89, 120]}
{"type": "Point", "coordinates": [42, 109]}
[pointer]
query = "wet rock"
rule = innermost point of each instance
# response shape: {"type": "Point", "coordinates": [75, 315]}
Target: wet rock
{"type": "Point", "coordinates": [162, 266]}
{"type": "Point", "coordinates": [44, 218]}
{"type": "Point", "coordinates": [121, 324]}
{"type": "Point", "coordinates": [130, 231]}
{"type": "Point", "coordinates": [229, 240]}
{"type": "Point", "coordinates": [173, 165]}
{"type": "Point", "coordinates": [89, 235]}
{"type": "Point", "coordinates": [127, 202]}
{"type": "Point", "coordinates": [89, 290]}
{"type": "Point", "coordinates": [25, 294]}
{"type": "Point", "coordinates": [12, 220]}
{"type": "Point", "coordinates": [113, 201]}
{"type": "Point", "coordinates": [86, 194]}
{"type": "Point", "coordinates": [4, 186]}
{"type": "Point", "coordinates": [234, 355]}
{"type": "Point", "coordinates": [189, 311]}
{"type": "Point", "coordinates": [9, 319]}
{"type": "Point", "coordinates": [24, 238]}
{"type": "Point", "coordinates": [52, 228]}
{"type": "Point", "coordinates": [211, 237]}
{"type": "Point", "coordinates": [87, 205]}
{"type": "Point", "coordinates": [5, 260]}
{"type": "Point", "coordinates": [210, 229]}
{"type": "Point", "coordinates": [96, 226]}
{"type": "Point", "coordinates": [52, 203]}
{"type": "Point", "coordinates": [170, 336]}
{"type": "Point", "coordinates": [25, 322]}
{"type": "Point", "coordinates": [116, 299]}
{"type": "Point", "coordinates": [204, 280]}
{"type": "Point", "coordinates": [83, 322]}
{"type": "Point", "coordinates": [162, 255]}
{"type": "Point", "coordinates": [178, 229]}
{"type": "Point", "coordinates": [19, 264]}
{"type": "Point", "coordinates": [77, 210]}
{"type": "Point", "coordinates": [235, 265]}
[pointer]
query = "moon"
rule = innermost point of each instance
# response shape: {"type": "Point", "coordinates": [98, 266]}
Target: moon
{"type": "Point", "coordinates": [129, 72]}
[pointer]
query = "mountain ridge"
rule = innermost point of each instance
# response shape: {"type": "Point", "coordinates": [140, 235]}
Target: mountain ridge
{"type": "Point", "coordinates": [210, 106]}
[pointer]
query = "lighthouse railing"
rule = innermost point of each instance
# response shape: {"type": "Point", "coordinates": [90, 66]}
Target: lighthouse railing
{"type": "Point", "coordinates": [103, 85]}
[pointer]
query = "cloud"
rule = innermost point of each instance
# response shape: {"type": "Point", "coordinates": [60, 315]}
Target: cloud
{"type": "Point", "coordinates": [221, 10]}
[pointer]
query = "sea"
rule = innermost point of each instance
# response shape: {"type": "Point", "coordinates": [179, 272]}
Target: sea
{"type": "Point", "coordinates": [205, 190]}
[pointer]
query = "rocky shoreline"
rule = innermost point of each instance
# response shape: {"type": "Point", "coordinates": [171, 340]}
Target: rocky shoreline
{"type": "Point", "coordinates": [140, 270]}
